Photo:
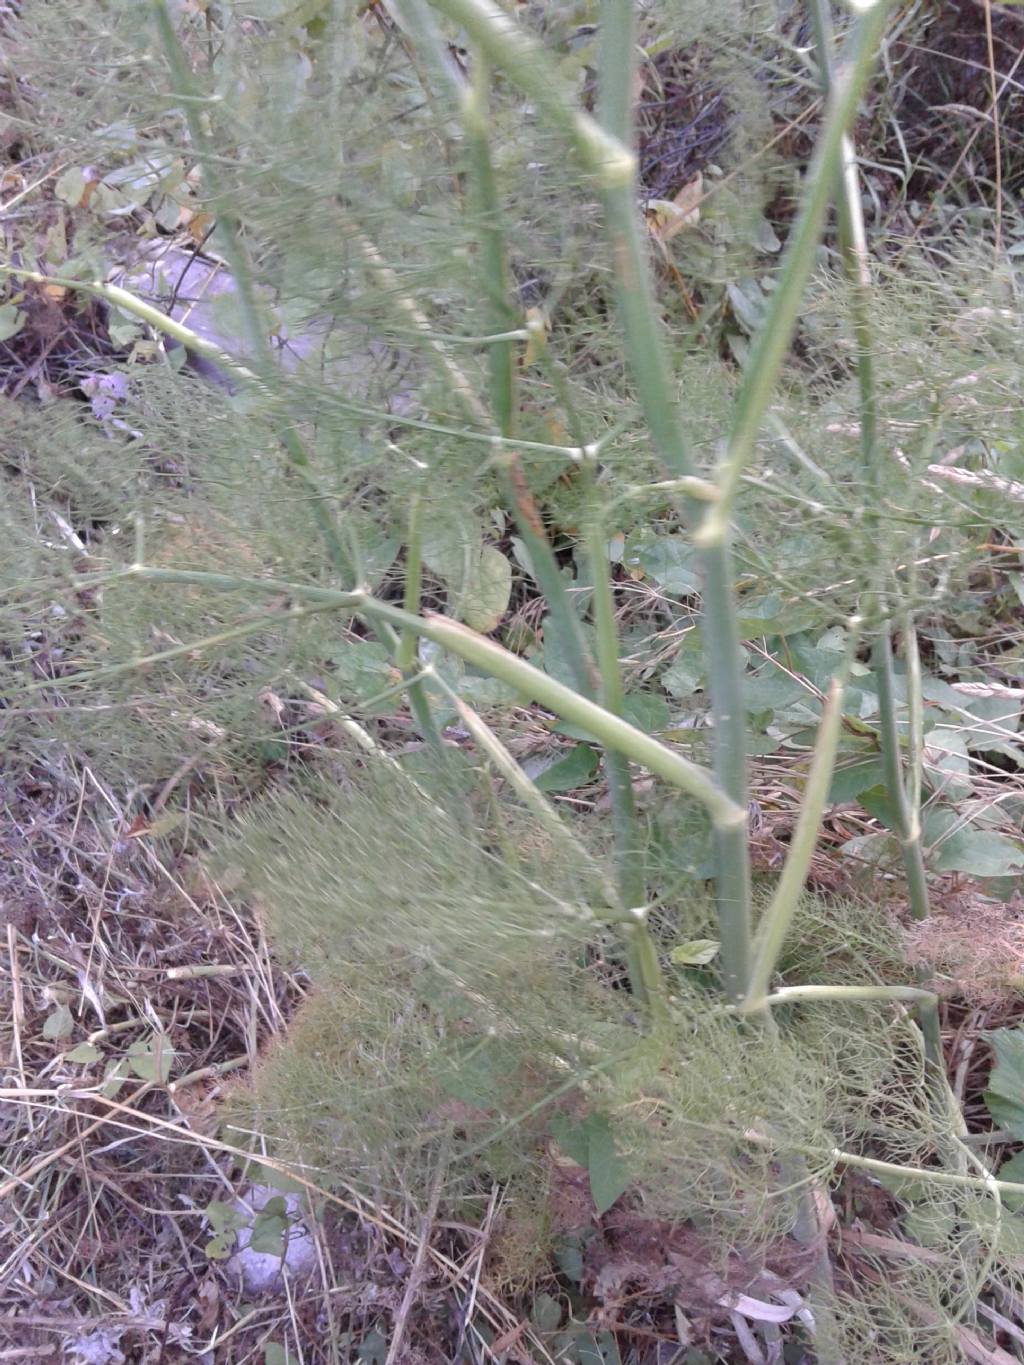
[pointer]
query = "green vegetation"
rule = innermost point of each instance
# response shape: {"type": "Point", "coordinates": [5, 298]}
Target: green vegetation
{"type": "Point", "coordinates": [580, 627]}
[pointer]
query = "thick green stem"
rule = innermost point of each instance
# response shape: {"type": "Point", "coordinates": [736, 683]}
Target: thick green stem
{"type": "Point", "coordinates": [779, 915]}
{"type": "Point", "coordinates": [493, 261]}
{"type": "Point", "coordinates": [796, 995]}
{"type": "Point", "coordinates": [646, 353]}
{"type": "Point", "coordinates": [852, 247]}
{"type": "Point", "coordinates": [732, 849]}
{"type": "Point", "coordinates": [908, 819]}
{"type": "Point", "coordinates": [494, 660]}
{"type": "Point", "coordinates": [405, 654]}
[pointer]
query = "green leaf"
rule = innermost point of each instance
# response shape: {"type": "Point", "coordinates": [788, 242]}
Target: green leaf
{"type": "Point", "coordinates": [486, 598]}
{"type": "Point", "coordinates": [151, 1058]}
{"type": "Point", "coordinates": [224, 1217]}
{"type": "Point", "coordinates": [569, 1256]}
{"type": "Point", "coordinates": [555, 654]}
{"type": "Point", "coordinates": [362, 670]}
{"type": "Point", "coordinates": [70, 187]}
{"type": "Point", "coordinates": [668, 560]}
{"type": "Point", "coordinates": [948, 767]}
{"type": "Point", "coordinates": [853, 778]}
{"type": "Point", "coordinates": [114, 1077]}
{"type": "Point", "coordinates": [592, 1144]}
{"type": "Point", "coordinates": [685, 674]}
{"type": "Point", "coordinates": [771, 616]}
{"type": "Point", "coordinates": [608, 1174]}
{"type": "Point", "coordinates": [373, 1349]}
{"type": "Point", "coordinates": [931, 1224]}
{"type": "Point", "coordinates": [546, 1313]}
{"type": "Point", "coordinates": [647, 711]}
{"type": "Point", "coordinates": [12, 320]}
{"type": "Point", "coordinates": [276, 1354]}
{"type": "Point", "coordinates": [478, 1072]}
{"type": "Point", "coordinates": [584, 1347]}
{"type": "Point", "coordinates": [84, 1053]}
{"type": "Point", "coordinates": [58, 1023]}
{"type": "Point", "coordinates": [570, 772]}
{"type": "Point", "coordinates": [1013, 1170]}
{"type": "Point", "coordinates": [977, 852]}
{"type": "Point", "coordinates": [1005, 1094]}
{"type": "Point", "coordinates": [748, 303]}
{"type": "Point", "coordinates": [697, 952]}
{"type": "Point", "coordinates": [571, 1138]}
{"type": "Point", "coordinates": [269, 1227]}
{"type": "Point", "coordinates": [877, 802]}
{"type": "Point", "coordinates": [219, 1247]}
{"type": "Point", "coordinates": [478, 576]}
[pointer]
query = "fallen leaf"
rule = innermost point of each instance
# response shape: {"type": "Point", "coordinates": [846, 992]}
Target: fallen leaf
{"type": "Point", "coordinates": [667, 217]}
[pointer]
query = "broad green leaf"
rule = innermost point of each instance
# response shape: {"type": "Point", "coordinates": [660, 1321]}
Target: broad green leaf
{"type": "Point", "coordinates": [770, 616]}
{"type": "Point", "coordinates": [697, 952]}
{"type": "Point", "coordinates": [669, 561]}
{"type": "Point", "coordinates": [12, 320]}
{"type": "Point", "coordinates": [486, 597]}
{"type": "Point", "coordinates": [607, 1170]}
{"type": "Point", "coordinates": [568, 1253]}
{"type": "Point", "coordinates": [546, 1313]}
{"type": "Point", "coordinates": [877, 802]}
{"type": "Point", "coordinates": [997, 721]}
{"type": "Point", "coordinates": [748, 303]}
{"type": "Point", "coordinates": [378, 557]}
{"type": "Point", "coordinates": [276, 1354]}
{"type": "Point", "coordinates": [591, 1143]}
{"type": "Point", "coordinates": [451, 549]}
{"type": "Point", "coordinates": [269, 1227]}
{"type": "Point", "coordinates": [977, 852]}
{"type": "Point", "coordinates": [84, 1053]}
{"type": "Point", "coordinates": [948, 765]}
{"type": "Point", "coordinates": [151, 1058]}
{"type": "Point", "coordinates": [70, 186]}
{"type": "Point", "coordinates": [114, 1078]}
{"type": "Point", "coordinates": [685, 674]}
{"type": "Point", "coordinates": [478, 1073]}
{"type": "Point", "coordinates": [1005, 1094]}
{"type": "Point", "coordinates": [224, 1217]}
{"type": "Point", "coordinates": [584, 1347]}
{"type": "Point", "coordinates": [362, 670]}
{"type": "Point", "coordinates": [58, 1023]}
{"type": "Point", "coordinates": [219, 1247]}
{"type": "Point", "coordinates": [571, 1137]}
{"type": "Point", "coordinates": [373, 1349]}
{"type": "Point", "coordinates": [555, 655]}
{"type": "Point", "coordinates": [647, 711]}
{"type": "Point", "coordinates": [570, 772]}
{"type": "Point", "coordinates": [771, 689]}
{"type": "Point", "coordinates": [931, 1224]}
{"type": "Point", "coordinates": [853, 778]}
{"type": "Point", "coordinates": [1013, 1170]}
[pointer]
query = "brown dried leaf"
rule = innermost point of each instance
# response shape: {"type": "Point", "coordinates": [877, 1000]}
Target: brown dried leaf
{"type": "Point", "coordinates": [667, 217]}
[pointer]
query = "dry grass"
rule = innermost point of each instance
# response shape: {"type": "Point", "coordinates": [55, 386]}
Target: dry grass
{"type": "Point", "coordinates": [103, 1184]}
